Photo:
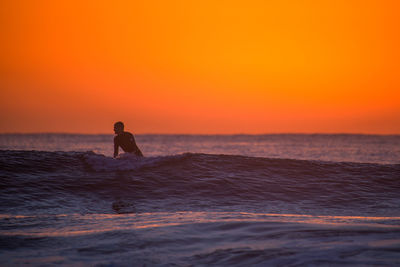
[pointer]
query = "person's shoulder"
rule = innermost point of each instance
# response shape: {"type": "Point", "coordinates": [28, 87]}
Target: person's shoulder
{"type": "Point", "coordinates": [128, 133]}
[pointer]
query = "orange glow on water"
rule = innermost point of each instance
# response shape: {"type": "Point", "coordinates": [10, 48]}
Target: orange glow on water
{"type": "Point", "coordinates": [200, 66]}
{"type": "Point", "coordinates": [101, 223]}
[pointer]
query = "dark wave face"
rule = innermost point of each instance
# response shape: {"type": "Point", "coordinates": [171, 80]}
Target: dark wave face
{"type": "Point", "coordinates": [33, 181]}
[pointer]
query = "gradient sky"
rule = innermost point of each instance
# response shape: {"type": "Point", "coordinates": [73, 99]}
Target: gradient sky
{"type": "Point", "coordinates": [200, 66]}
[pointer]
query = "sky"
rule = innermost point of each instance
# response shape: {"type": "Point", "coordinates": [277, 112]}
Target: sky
{"type": "Point", "coordinates": [200, 67]}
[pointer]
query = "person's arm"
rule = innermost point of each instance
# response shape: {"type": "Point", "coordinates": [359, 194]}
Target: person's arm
{"type": "Point", "coordinates": [115, 147]}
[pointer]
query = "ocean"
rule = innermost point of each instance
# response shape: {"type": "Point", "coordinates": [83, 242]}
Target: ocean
{"type": "Point", "coordinates": [200, 200]}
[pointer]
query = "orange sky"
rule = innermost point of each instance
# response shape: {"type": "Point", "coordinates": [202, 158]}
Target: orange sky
{"type": "Point", "coordinates": [200, 66]}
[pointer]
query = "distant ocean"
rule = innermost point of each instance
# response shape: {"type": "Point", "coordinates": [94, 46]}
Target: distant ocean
{"type": "Point", "coordinates": [200, 200]}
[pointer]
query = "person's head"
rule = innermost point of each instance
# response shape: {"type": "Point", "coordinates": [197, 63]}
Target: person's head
{"type": "Point", "coordinates": [119, 127]}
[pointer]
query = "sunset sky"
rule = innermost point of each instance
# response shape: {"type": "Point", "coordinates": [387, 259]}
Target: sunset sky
{"type": "Point", "coordinates": [200, 66]}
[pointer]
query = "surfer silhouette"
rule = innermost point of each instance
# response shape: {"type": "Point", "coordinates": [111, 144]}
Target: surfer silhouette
{"type": "Point", "coordinates": [125, 140]}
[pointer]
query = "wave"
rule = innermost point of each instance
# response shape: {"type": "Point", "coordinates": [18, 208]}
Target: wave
{"type": "Point", "coordinates": [21, 160]}
{"type": "Point", "coordinates": [214, 179]}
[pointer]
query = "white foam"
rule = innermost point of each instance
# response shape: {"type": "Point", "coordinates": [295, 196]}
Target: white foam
{"type": "Point", "coordinates": [102, 163]}
{"type": "Point", "coordinates": [124, 162]}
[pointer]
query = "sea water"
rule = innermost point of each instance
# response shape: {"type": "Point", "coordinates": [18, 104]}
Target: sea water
{"type": "Point", "coordinates": [200, 200]}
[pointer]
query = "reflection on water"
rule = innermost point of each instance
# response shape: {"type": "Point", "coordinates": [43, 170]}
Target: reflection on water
{"type": "Point", "coordinates": [76, 224]}
{"type": "Point", "coordinates": [199, 238]}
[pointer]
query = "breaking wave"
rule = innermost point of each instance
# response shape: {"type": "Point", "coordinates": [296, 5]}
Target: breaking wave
{"type": "Point", "coordinates": [204, 179]}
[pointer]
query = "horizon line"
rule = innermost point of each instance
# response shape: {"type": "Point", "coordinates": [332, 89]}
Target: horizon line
{"type": "Point", "coordinates": [271, 133]}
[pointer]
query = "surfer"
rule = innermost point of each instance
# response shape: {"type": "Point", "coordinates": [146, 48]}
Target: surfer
{"type": "Point", "coordinates": [125, 140]}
